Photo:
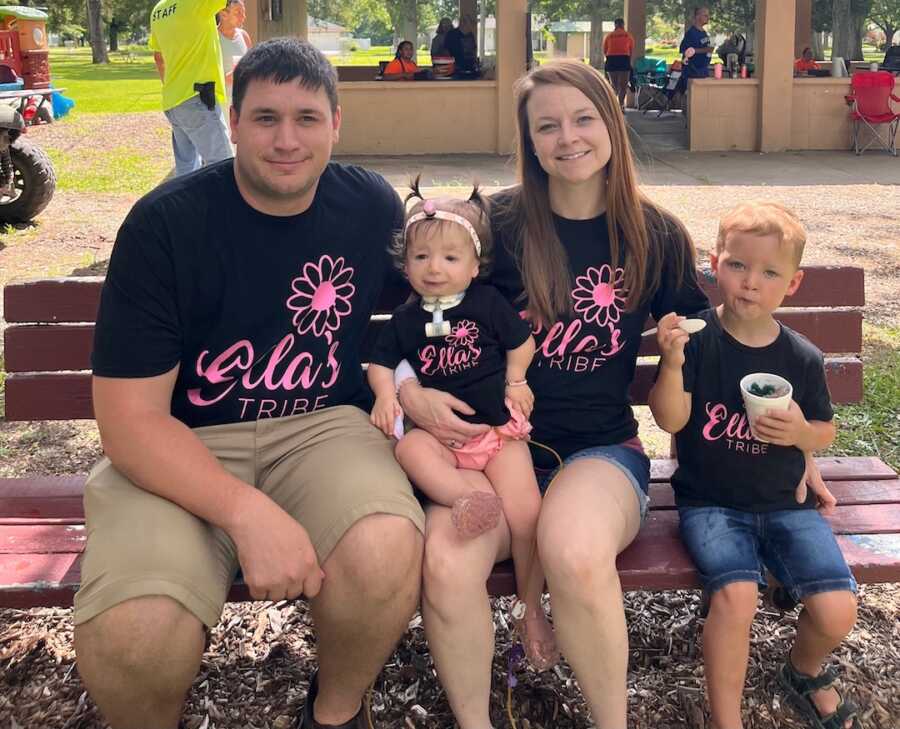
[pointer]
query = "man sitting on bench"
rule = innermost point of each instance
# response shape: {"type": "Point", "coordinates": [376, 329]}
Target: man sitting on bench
{"type": "Point", "coordinates": [228, 394]}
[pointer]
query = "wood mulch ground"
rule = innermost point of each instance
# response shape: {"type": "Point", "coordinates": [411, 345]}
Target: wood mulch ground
{"type": "Point", "coordinates": [256, 670]}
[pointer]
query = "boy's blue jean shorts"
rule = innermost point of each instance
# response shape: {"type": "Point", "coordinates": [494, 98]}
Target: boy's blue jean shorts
{"type": "Point", "coordinates": [796, 545]}
{"type": "Point", "coordinates": [633, 464]}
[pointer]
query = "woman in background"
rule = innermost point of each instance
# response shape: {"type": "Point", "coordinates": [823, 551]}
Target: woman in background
{"type": "Point", "coordinates": [235, 41]}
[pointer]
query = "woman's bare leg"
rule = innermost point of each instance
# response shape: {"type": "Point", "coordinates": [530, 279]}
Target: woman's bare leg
{"type": "Point", "coordinates": [457, 612]}
{"type": "Point", "coordinates": [590, 514]}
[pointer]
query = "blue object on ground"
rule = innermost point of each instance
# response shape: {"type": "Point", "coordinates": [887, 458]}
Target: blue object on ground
{"type": "Point", "coordinates": [61, 104]}
{"type": "Point", "coordinates": [12, 86]}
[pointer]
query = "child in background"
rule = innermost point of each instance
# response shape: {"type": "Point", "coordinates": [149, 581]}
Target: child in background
{"type": "Point", "coordinates": [464, 338]}
{"type": "Point", "coordinates": [734, 492]}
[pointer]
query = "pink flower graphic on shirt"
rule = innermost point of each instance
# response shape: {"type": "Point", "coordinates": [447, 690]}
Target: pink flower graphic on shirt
{"type": "Point", "coordinates": [599, 294]}
{"type": "Point", "coordinates": [463, 334]}
{"type": "Point", "coordinates": [322, 296]}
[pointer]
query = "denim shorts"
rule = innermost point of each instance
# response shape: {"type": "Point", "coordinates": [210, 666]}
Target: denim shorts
{"type": "Point", "coordinates": [796, 545]}
{"type": "Point", "coordinates": [633, 463]}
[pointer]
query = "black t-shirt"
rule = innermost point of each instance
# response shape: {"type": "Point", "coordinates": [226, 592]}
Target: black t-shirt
{"type": "Point", "coordinates": [585, 362]}
{"type": "Point", "coordinates": [720, 463]}
{"type": "Point", "coordinates": [463, 48]}
{"type": "Point", "coordinates": [263, 314]}
{"type": "Point", "coordinates": [470, 362]}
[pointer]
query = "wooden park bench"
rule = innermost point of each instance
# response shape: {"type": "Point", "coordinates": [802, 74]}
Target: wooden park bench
{"type": "Point", "coordinates": [47, 347]}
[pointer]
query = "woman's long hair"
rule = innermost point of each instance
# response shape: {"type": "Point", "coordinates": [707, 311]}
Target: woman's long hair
{"type": "Point", "coordinates": [637, 228]}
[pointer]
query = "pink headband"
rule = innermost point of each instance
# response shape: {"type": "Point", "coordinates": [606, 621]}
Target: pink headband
{"type": "Point", "coordinates": [430, 212]}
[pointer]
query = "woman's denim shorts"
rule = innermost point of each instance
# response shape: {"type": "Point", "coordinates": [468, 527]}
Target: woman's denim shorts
{"type": "Point", "coordinates": [633, 463]}
{"type": "Point", "coordinates": [796, 545]}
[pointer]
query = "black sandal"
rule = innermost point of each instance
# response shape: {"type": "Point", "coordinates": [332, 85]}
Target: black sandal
{"type": "Point", "coordinates": [799, 687]}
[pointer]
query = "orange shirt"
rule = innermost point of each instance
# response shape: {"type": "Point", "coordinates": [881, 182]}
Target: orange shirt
{"type": "Point", "coordinates": [802, 66]}
{"type": "Point", "coordinates": [618, 43]}
{"type": "Point", "coordinates": [398, 65]}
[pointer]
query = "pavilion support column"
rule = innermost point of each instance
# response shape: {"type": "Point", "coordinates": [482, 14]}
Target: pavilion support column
{"type": "Point", "coordinates": [802, 27]}
{"type": "Point", "coordinates": [510, 65]}
{"type": "Point", "coordinates": [469, 7]}
{"type": "Point", "coordinates": [774, 67]}
{"type": "Point", "coordinates": [636, 24]}
{"type": "Point", "coordinates": [251, 23]}
{"type": "Point", "coordinates": [302, 30]}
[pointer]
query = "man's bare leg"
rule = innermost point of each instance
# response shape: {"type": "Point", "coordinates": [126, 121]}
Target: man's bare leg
{"type": "Point", "coordinates": [138, 660]}
{"type": "Point", "coordinates": [370, 592]}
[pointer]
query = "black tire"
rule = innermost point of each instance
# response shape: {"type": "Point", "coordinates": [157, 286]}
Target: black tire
{"type": "Point", "coordinates": [35, 182]}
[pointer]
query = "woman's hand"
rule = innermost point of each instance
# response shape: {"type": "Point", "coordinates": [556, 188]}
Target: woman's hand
{"type": "Point", "coordinates": [435, 411]}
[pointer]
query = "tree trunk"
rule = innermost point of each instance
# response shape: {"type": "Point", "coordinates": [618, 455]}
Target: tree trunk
{"type": "Point", "coordinates": [598, 11]}
{"type": "Point", "coordinates": [405, 22]}
{"type": "Point", "coordinates": [889, 32]}
{"type": "Point", "coordinates": [859, 25]}
{"type": "Point", "coordinates": [818, 45]}
{"type": "Point", "coordinates": [113, 36]}
{"type": "Point", "coordinates": [843, 28]}
{"type": "Point", "coordinates": [98, 47]}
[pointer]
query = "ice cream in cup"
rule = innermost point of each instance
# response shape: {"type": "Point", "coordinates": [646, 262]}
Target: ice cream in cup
{"type": "Point", "coordinates": [763, 391]}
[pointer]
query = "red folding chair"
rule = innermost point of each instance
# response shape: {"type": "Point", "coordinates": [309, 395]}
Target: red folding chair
{"type": "Point", "coordinates": [870, 102]}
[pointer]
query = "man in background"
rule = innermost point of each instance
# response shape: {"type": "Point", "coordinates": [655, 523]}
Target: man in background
{"type": "Point", "coordinates": [185, 40]}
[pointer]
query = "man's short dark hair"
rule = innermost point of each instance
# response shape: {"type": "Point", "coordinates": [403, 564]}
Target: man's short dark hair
{"type": "Point", "coordinates": [619, 22]}
{"type": "Point", "coordinates": [281, 60]}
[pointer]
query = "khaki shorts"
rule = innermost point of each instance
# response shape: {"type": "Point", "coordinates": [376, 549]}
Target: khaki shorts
{"type": "Point", "coordinates": [328, 469]}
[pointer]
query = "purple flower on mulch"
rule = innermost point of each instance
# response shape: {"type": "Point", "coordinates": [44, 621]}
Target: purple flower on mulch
{"type": "Point", "coordinates": [515, 657]}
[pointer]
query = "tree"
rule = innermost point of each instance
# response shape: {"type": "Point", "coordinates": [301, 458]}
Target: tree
{"type": "Point", "coordinates": [886, 15]}
{"type": "Point", "coordinates": [98, 46]}
{"type": "Point", "coordinates": [594, 10]}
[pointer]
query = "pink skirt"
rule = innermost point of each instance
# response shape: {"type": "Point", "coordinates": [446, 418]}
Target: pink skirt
{"type": "Point", "coordinates": [478, 452]}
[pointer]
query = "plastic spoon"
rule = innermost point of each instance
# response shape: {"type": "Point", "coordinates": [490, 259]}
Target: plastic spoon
{"type": "Point", "coordinates": [691, 326]}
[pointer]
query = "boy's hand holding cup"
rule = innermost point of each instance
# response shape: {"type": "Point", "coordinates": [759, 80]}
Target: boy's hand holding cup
{"type": "Point", "coordinates": [671, 340]}
{"type": "Point", "coordinates": [774, 416]}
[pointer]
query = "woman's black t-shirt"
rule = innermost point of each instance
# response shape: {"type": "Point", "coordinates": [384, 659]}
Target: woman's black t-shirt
{"type": "Point", "coordinates": [585, 362]}
{"type": "Point", "coordinates": [264, 315]}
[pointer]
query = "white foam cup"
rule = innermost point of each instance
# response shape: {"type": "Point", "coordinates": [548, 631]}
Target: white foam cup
{"type": "Point", "coordinates": [756, 405]}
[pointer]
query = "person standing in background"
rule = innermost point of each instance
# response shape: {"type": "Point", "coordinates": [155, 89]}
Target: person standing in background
{"type": "Point", "coordinates": [234, 40]}
{"type": "Point", "coordinates": [618, 47]}
{"type": "Point", "coordinates": [439, 42]}
{"type": "Point", "coordinates": [697, 41]}
{"type": "Point", "coordinates": [186, 49]}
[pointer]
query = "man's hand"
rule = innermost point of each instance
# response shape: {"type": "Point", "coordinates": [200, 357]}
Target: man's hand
{"type": "Point", "coordinates": [783, 427]}
{"type": "Point", "coordinates": [812, 478]}
{"type": "Point", "coordinates": [671, 340]}
{"type": "Point", "coordinates": [275, 553]}
{"type": "Point", "coordinates": [435, 411]}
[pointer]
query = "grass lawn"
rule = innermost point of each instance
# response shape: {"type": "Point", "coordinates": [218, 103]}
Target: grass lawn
{"type": "Point", "coordinates": [118, 87]}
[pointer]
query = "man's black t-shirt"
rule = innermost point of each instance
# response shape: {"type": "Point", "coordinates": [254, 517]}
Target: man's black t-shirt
{"type": "Point", "coordinates": [720, 463]}
{"type": "Point", "coordinates": [469, 362]}
{"type": "Point", "coordinates": [585, 362]}
{"type": "Point", "coordinates": [264, 315]}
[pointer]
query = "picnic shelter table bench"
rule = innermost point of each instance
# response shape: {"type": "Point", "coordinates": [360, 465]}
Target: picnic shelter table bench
{"type": "Point", "coordinates": [48, 342]}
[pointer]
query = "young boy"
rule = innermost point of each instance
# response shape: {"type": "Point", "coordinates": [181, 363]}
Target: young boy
{"type": "Point", "coordinates": [735, 493]}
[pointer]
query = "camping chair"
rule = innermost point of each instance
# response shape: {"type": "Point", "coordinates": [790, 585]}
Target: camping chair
{"type": "Point", "coordinates": [649, 73]}
{"type": "Point", "coordinates": [870, 102]}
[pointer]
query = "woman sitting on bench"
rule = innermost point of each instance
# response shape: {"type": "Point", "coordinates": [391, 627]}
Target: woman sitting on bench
{"type": "Point", "coordinates": [586, 257]}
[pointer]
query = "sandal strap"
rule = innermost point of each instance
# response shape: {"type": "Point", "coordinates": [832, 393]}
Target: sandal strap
{"type": "Point", "coordinates": [806, 685]}
{"type": "Point", "coordinates": [845, 710]}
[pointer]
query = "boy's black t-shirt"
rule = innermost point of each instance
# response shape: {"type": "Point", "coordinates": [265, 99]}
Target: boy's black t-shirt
{"type": "Point", "coordinates": [470, 362]}
{"type": "Point", "coordinates": [585, 362]}
{"type": "Point", "coordinates": [720, 463]}
{"type": "Point", "coordinates": [264, 315]}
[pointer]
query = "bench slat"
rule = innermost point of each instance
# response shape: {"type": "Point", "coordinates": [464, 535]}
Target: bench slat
{"type": "Point", "coordinates": [75, 299]}
{"type": "Point", "coordinates": [61, 347]}
{"type": "Point", "coordinates": [58, 499]}
{"type": "Point", "coordinates": [49, 580]}
{"type": "Point", "coordinates": [67, 396]}
{"type": "Point", "coordinates": [832, 468]}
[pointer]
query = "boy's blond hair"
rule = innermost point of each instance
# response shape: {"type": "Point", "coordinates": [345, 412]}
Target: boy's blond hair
{"type": "Point", "coordinates": [764, 218]}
